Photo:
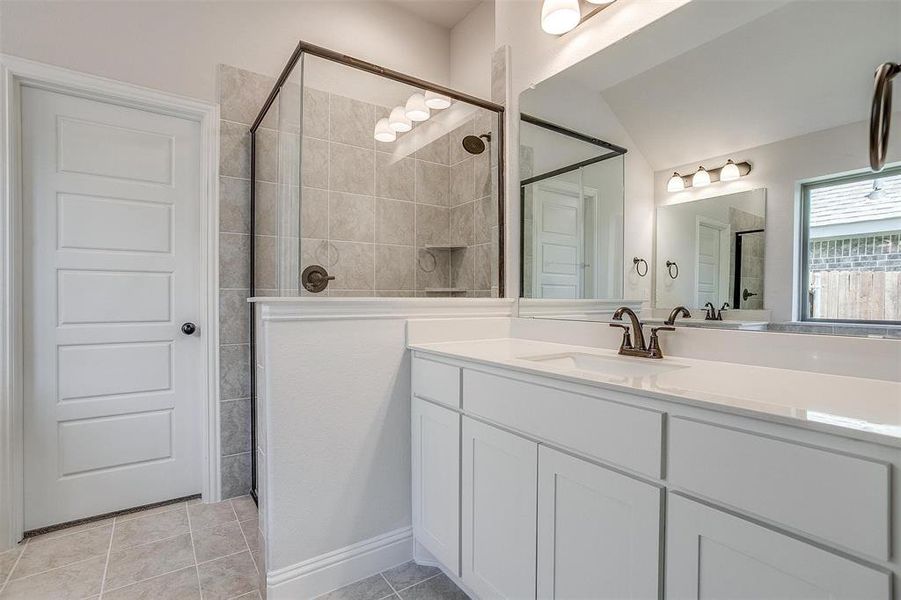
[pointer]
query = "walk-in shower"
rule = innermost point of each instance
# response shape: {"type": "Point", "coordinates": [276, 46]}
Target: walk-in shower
{"type": "Point", "coordinates": [367, 182]}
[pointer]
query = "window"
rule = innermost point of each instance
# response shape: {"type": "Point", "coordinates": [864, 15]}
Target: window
{"type": "Point", "coordinates": [851, 249]}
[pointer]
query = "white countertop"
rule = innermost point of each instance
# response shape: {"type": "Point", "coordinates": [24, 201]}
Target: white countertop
{"type": "Point", "coordinates": [866, 409]}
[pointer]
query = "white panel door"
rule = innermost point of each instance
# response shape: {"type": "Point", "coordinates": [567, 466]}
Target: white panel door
{"type": "Point", "coordinates": [708, 267]}
{"type": "Point", "coordinates": [714, 555]}
{"type": "Point", "coordinates": [499, 512]}
{"type": "Point", "coordinates": [436, 481]}
{"type": "Point", "coordinates": [112, 270]}
{"type": "Point", "coordinates": [559, 241]}
{"type": "Point", "coordinates": [598, 532]}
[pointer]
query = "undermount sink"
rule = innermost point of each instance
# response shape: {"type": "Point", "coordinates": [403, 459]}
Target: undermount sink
{"type": "Point", "coordinates": [615, 366]}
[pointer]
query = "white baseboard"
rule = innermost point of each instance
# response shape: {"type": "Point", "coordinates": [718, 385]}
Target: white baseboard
{"type": "Point", "coordinates": [341, 567]}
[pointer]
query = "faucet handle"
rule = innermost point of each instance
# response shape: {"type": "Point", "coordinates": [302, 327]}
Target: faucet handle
{"type": "Point", "coordinates": [654, 345]}
{"type": "Point", "coordinates": [627, 337]}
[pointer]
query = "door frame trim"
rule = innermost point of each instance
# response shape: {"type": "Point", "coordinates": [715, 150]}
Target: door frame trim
{"type": "Point", "coordinates": [16, 72]}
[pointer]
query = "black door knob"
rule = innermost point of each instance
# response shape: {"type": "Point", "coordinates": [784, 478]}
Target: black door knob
{"type": "Point", "coordinates": [188, 328]}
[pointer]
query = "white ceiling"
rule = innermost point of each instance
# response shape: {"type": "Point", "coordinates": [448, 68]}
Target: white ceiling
{"type": "Point", "coordinates": [716, 77]}
{"type": "Point", "coordinates": [444, 13]}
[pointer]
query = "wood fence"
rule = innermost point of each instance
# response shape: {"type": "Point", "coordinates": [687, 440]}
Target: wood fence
{"type": "Point", "coordinates": [865, 295]}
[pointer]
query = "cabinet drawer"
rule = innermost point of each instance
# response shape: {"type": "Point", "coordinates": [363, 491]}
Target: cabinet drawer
{"type": "Point", "coordinates": [836, 497]}
{"type": "Point", "coordinates": [608, 431]}
{"type": "Point", "coordinates": [436, 381]}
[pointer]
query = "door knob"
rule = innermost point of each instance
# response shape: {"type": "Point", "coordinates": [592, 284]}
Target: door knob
{"type": "Point", "coordinates": [188, 328]}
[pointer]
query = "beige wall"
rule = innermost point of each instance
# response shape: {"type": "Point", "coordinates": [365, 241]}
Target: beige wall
{"type": "Point", "coordinates": [175, 45]}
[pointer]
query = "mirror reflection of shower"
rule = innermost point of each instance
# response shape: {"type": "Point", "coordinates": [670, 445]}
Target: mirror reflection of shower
{"type": "Point", "coordinates": [474, 144]}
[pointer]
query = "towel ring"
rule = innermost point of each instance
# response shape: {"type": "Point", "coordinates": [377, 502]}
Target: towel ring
{"type": "Point", "coordinates": [881, 114]}
{"type": "Point", "coordinates": [638, 262]}
{"type": "Point", "coordinates": [670, 265]}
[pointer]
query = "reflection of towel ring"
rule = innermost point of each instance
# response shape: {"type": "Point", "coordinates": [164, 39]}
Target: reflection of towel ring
{"type": "Point", "coordinates": [638, 262]}
{"type": "Point", "coordinates": [881, 114]}
{"type": "Point", "coordinates": [433, 263]}
{"type": "Point", "coordinates": [670, 265]}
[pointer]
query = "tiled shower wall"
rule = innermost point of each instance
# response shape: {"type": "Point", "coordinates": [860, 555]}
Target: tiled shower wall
{"type": "Point", "coordinates": [371, 218]}
{"type": "Point", "coordinates": [365, 215]}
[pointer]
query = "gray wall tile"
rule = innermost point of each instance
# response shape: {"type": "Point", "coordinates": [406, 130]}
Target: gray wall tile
{"type": "Point", "coordinates": [315, 113]}
{"type": "Point", "coordinates": [432, 183]}
{"type": "Point", "coordinates": [394, 222]}
{"type": "Point", "coordinates": [234, 260]}
{"type": "Point", "coordinates": [432, 224]}
{"type": "Point", "coordinates": [314, 163]}
{"type": "Point", "coordinates": [314, 213]}
{"type": "Point", "coordinates": [234, 205]}
{"type": "Point", "coordinates": [352, 264]}
{"type": "Point", "coordinates": [266, 200]}
{"type": "Point", "coordinates": [461, 217]}
{"type": "Point", "coordinates": [266, 155]}
{"type": "Point", "coordinates": [234, 317]}
{"type": "Point", "coordinates": [432, 268]}
{"type": "Point", "coordinates": [234, 372]}
{"type": "Point", "coordinates": [266, 263]}
{"type": "Point", "coordinates": [393, 267]}
{"type": "Point", "coordinates": [393, 177]}
{"type": "Point", "coordinates": [242, 95]}
{"type": "Point", "coordinates": [351, 217]}
{"type": "Point", "coordinates": [351, 169]}
{"type": "Point", "coordinates": [234, 426]}
{"type": "Point", "coordinates": [462, 186]}
{"type": "Point", "coordinates": [235, 475]}
{"type": "Point", "coordinates": [234, 150]}
{"type": "Point", "coordinates": [351, 121]}
{"type": "Point", "coordinates": [437, 151]}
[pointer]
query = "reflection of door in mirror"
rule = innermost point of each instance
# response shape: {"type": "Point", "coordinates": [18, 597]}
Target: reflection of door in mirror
{"type": "Point", "coordinates": [712, 266]}
{"type": "Point", "coordinates": [559, 269]}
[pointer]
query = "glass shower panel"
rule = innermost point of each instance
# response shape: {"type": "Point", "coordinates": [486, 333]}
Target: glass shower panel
{"type": "Point", "coordinates": [415, 216]}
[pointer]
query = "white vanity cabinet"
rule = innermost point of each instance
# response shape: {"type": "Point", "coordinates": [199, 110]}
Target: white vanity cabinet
{"type": "Point", "coordinates": [712, 554]}
{"type": "Point", "coordinates": [436, 481]}
{"type": "Point", "coordinates": [598, 531]}
{"type": "Point", "coordinates": [500, 472]}
{"type": "Point", "coordinates": [528, 488]}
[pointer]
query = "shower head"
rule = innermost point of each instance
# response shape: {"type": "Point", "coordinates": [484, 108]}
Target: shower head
{"type": "Point", "coordinates": [474, 144]}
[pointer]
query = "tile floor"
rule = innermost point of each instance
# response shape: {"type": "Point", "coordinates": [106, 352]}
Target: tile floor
{"type": "Point", "coordinates": [405, 582]}
{"type": "Point", "coordinates": [181, 551]}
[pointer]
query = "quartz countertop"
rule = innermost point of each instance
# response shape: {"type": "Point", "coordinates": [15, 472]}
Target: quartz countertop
{"type": "Point", "coordinates": [867, 409]}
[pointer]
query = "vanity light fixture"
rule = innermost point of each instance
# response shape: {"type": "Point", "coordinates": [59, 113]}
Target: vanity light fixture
{"type": "Point", "coordinates": [728, 172]}
{"type": "Point", "coordinates": [416, 109]}
{"type": "Point", "coordinates": [384, 132]}
{"type": "Point", "coordinates": [399, 121]}
{"type": "Point", "coordinates": [436, 101]}
{"type": "Point", "coordinates": [700, 178]}
{"type": "Point", "coordinates": [675, 183]}
{"type": "Point", "coordinates": [562, 16]}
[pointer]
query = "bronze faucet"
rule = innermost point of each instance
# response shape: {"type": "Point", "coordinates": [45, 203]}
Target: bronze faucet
{"type": "Point", "coordinates": [713, 314]}
{"type": "Point", "coordinates": [679, 311]}
{"type": "Point", "coordinates": [626, 348]}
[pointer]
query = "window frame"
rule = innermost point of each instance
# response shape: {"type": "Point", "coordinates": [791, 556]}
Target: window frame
{"type": "Point", "coordinates": [803, 249]}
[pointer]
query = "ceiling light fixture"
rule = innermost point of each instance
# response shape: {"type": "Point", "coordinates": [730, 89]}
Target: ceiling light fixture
{"type": "Point", "coordinates": [560, 16]}
{"type": "Point", "coordinates": [436, 100]}
{"type": "Point", "coordinates": [728, 172]}
{"type": "Point", "coordinates": [416, 109]}
{"type": "Point", "coordinates": [399, 121]}
{"type": "Point", "coordinates": [384, 132]}
{"type": "Point", "coordinates": [877, 193]}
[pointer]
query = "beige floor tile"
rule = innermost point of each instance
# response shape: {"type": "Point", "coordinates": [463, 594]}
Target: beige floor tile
{"type": "Point", "coordinates": [228, 577]}
{"type": "Point", "coordinates": [73, 582]}
{"type": "Point", "coordinates": [46, 554]}
{"type": "Point", "coordinates": [180, 585]}
{"type": "Point", "coordinates": [153, 527]}
{"type": "Point", "coordinates": [8, 561]}
{"type": "Point", "coordinates": [73, 529]}
{"type": "Point", "coordinates": [149, 511]}
{"type": "Point", "coordinates": [143, 562]}
{"type": "Point", "coordinates": [371, 588]}
{"type": "Point", "coordinates": [210, 515]}
{"type": "Point", "coordinates": [219, 541]}
{"type": "Point", "coordinates": [245, 508]}
{"type": "Point", "coordinates": [251, 531]}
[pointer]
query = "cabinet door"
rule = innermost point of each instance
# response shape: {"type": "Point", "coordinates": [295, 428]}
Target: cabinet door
{"type": "Point", "coordinates": [712, 554]}
{"type": "Point", "coordinates": [598, 531]}
{"type": "Point", "coordinates": [436, 482]}
{"type": "Point", "coordinates": [499, 510]}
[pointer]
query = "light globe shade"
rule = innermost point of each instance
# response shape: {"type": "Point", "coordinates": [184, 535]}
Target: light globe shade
{"type": "Point", "coordinates": [700, 178]}
{"type": "Point", "coordinates": [675, 183]}
{"type": "Point", "coordinates": [560, 16]}
{"type": "Point", "coordinates": [383, 131]}
{"type": "Point", "coordinates": [398, 120]}
{"type": "Point", "coordinates": [416, 108]}
{"type": "Point", "coordinates": [436, 100]}
{"type": "Point", "coordinates": [729, 171]}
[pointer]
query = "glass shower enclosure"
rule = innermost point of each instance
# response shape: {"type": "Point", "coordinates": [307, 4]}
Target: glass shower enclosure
{"type": "Point", "coordinates": [366, 182]}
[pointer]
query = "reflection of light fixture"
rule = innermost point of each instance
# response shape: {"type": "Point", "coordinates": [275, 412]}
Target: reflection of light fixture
{"type": "Point", "coordinates": [383, 131]}
{"type": "Point", "coordinates": [560, 16]}
{"type": "Point", "coordinates": [436, 100]}
{"type": "Point", "coordinates": [416, 108]}
{"type": "Point", "coordinates": [729, 171]}
{"type": "Point", "coordinates": [399, 121]}
{"type": "Point", "coordinates": [700, 178]}
{"type": "Point", "coordinates": [675, 183]}
{"type": "Point", "coordinates": [878, 193]}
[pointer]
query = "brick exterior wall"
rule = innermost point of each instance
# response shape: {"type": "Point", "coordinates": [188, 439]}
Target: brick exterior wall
{"type": "Point", "coordinates": [880, 252]}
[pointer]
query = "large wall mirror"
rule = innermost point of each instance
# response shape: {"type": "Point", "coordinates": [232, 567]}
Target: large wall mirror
{"type": "Point", "coordinates": [747, 178]}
